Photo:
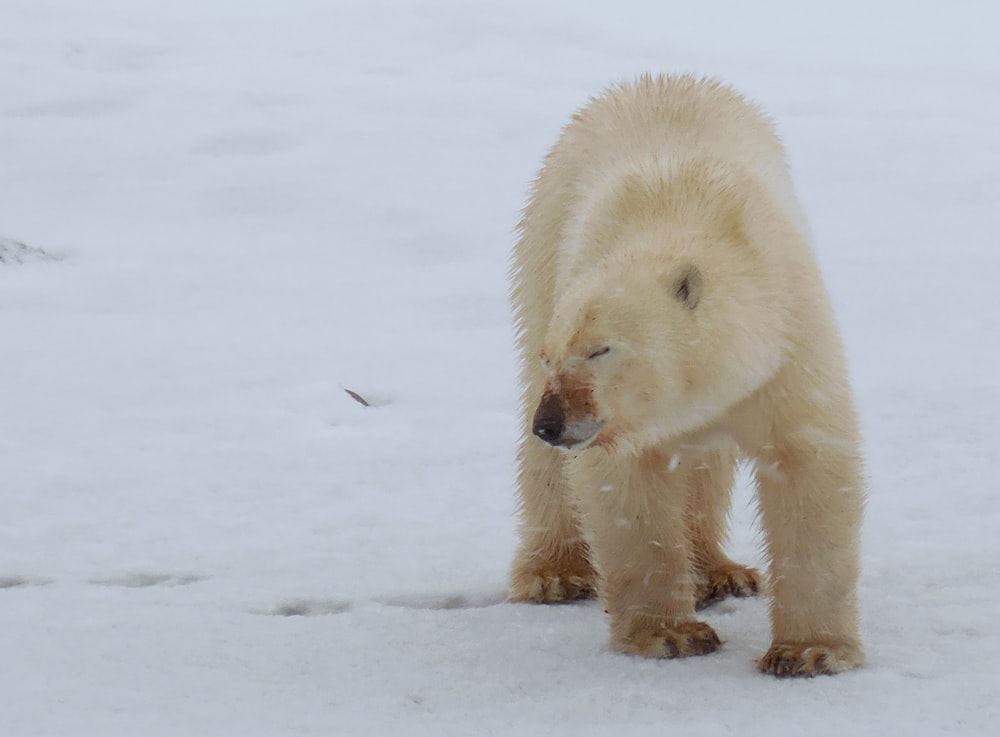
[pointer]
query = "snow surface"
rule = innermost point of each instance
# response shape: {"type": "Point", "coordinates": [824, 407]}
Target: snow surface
{"type": "Point", "coordinates": [253, 206]}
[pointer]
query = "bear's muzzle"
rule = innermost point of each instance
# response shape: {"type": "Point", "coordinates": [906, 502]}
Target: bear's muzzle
{"type": "Point", "coordinates": [551, 425]}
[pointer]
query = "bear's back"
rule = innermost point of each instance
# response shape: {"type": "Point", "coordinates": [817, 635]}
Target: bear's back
{"type": "Point", "coordinates": [653, 129]}
{"type": "Point", "coordinates": [667, 120]}
{"type": "Point", "coordinates": [670, 116]}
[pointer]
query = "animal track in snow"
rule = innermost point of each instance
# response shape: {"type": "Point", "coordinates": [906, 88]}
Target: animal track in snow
{"type": "Point", "coordinates": [142, 580]}
{"type": "Point", "coordinates": [14, 582]}
{"type": "Point", "coordinates": [443, 601]}
{"type": "Point", "coordinates": [308, 608]}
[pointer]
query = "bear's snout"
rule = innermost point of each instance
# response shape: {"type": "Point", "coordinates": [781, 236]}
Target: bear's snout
{"type": "Point", "coordinates": [565, 419]}
{"type": "Point", "coordinates": [550, 419]}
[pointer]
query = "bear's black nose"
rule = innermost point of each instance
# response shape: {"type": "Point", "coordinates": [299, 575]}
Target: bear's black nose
{"type": "Point", "coordinates": [550, 419]}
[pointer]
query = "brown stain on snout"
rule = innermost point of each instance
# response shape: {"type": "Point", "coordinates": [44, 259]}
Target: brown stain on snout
{"type": "Point", "coordinates": [577, 397]}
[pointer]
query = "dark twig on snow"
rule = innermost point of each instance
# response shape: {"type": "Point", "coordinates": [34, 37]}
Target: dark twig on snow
{"type": "Point", "coordinates": [357, 398]}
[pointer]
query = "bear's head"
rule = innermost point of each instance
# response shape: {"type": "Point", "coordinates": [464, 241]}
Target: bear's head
{"type": "Point", "coordinates": [642, 350]}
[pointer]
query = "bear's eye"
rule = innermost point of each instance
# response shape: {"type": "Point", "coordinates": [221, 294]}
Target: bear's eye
{"type": "Point", "coordinates": [599, 352]}
{"type": "Point", "coordinates": [688, 286]}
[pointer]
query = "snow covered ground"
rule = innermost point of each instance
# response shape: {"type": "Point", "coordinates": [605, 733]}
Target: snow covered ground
{"type": "Point", "coordinates": [244, 208]}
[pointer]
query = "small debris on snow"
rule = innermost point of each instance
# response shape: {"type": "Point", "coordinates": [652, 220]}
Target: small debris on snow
{"type": "Point", "coordinates": [357, 398]}
{"type": "Point", "coordinates": [15, 252]}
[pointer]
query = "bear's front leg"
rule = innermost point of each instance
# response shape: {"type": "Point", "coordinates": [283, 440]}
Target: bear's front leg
{"type": "Point", "coordinates": [634, 518]}
{"type": "Point", "coordinates": [552, 563]}
{"type": "Point", "coordinates": [811, 499]}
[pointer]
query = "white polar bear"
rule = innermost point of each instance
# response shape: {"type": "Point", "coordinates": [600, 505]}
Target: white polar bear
{"type": "Point", "coordinates": [671, 319]}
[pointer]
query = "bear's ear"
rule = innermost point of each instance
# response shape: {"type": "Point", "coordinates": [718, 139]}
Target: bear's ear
{"type": "Point", "coordinates": [686, 285]}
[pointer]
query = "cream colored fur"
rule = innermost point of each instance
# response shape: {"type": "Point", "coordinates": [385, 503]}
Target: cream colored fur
{"type": "Point", "coordinates": [669, 305]}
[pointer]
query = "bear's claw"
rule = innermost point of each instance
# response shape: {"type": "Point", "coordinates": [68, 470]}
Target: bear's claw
{"type": "Point", "coordinates": [739, 581]}
{"type": "Point", "coordinates": [786, 660]}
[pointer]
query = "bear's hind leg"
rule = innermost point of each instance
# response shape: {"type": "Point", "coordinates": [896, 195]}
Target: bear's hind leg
{"type": "Point", "coordinates": [710, 481]}
{"type": "Point", "coordinates": [552, 563]}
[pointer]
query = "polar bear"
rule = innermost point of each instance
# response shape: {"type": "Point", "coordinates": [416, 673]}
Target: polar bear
{"type": "Point", "coordinates": [672, 320]}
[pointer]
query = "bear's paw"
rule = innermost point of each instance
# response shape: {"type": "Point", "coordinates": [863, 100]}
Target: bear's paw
{"type": "Point", "coordinates": [730, 580]}
{"type": "Point", "coordinates": [679, 640]}
{"type": "Point", "coordinates": [550, 584]}
{"type": "Point", "coordinates": [805, 660]}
